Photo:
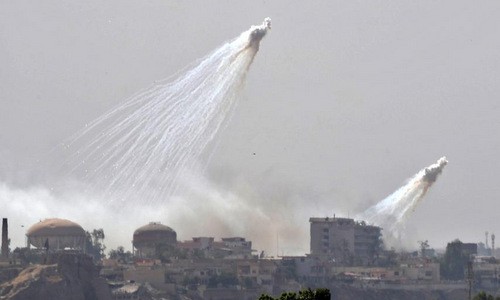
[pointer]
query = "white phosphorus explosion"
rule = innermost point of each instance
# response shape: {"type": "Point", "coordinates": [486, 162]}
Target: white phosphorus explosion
{"type": "Point", "coordinates": [390, 213]}
{"type": "Point", "coordinates": [140, 148]}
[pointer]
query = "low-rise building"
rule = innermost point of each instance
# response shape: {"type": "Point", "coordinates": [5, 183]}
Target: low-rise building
{"type": "Point", "coordinates": [257, 272]}
{"type": "Point", "coordinates": [207, 247]}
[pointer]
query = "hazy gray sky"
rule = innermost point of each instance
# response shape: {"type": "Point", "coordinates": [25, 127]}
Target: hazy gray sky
{"type": "Point", "coordinates": [344, 101]}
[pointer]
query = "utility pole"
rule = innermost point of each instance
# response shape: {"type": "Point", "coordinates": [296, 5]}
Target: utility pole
{"type": "Point", "coordinates": [470, 277]}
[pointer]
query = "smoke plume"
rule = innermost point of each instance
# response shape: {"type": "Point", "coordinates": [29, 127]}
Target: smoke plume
{"type": "Point", "coordinates": [391, 212]}
{"type": "Point", "coordinates": [157, 141]}
{"type": "Point", "coordinates": [138, 150]}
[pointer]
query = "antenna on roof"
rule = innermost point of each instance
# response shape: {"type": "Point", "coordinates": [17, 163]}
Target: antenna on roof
{"type": "Point", "coordinates": [492, 244]}
{"type": "Point", "coordinates": [277, 245]}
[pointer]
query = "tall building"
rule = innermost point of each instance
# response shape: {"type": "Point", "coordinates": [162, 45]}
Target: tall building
{"type": "Point", "coordinates": [345, 241]}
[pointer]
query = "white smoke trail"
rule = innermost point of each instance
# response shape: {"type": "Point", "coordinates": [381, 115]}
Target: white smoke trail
{"type": "Point", "coordinates": [139, 149]}
{"type": "Point", "coordinates": [390, 213]}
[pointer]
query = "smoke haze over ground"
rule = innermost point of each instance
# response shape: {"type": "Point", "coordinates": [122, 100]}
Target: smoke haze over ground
{"type": "Point", "coordinates": [205, 209]}
{"type": "Point", "coordinates": [345, 100]}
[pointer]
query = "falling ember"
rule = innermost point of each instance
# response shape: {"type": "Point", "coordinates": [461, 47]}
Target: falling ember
{"type": "Point", "coordinates": [390, 213]}
{"type": "Point", "coordinates": [139, 149]}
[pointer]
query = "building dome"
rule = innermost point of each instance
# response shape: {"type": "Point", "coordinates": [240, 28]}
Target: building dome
{"type": "Point", "coordinates": [148, 237]}
{"type": "Point", "coordinates": [56, 234]}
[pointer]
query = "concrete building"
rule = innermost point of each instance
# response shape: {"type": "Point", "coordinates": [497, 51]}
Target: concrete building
{"type": "Point", "coordinates": [469, 249]}
{"type": "Point", "coordinates": [403, 274]}
{"type": "Point", "coordinates": [259, 272]}
{"type": "Point", "coordinates": [345, 241]}
{"type": "Point", "coordinates": [154, 276]}
{"type": "Point", "coordinates": [228, 248]}
{"type": "Point", "coordinates": [56, 234]}
{"type": "Point", "coordinates": [237, 248]}
{"type": "Point", "coordinates": [309, 270]}
{"type": "Point", "coordinates": [198, 270]}
{"type": "Point", "coordinates": [149, 237]}
{"type": "Point", "coordinates": [486, 273]}
{"type": "Point", "coordinates": [203, 245]}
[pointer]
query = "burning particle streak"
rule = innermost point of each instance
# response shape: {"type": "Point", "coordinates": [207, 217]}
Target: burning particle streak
{"type": "Point", "coordinates": [140, 148]}
{"type": "Point", "coordinates": [391, 212]}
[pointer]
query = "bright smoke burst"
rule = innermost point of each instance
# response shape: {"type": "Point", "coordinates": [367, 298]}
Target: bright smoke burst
{"type": "Point", "coordinates": [390, 213]}
{"type": "Point", "coordinates": [140, 148]}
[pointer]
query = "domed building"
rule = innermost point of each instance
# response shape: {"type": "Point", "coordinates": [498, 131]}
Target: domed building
{"type": "Point", "coordinates": [56, 234]}
{"type": "Point", "coordinates": [149, 237]}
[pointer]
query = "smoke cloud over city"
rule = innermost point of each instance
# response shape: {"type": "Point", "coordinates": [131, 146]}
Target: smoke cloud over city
{"type": "Point", "coordinates": [204, 209]}
{"type": "Point", "coordinates": [342, 102]}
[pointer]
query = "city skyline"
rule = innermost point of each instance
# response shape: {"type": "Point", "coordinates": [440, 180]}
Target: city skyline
{"type": "Point", "coordinates": [343, 102]}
